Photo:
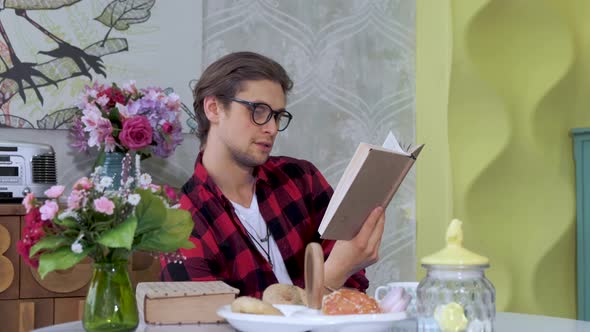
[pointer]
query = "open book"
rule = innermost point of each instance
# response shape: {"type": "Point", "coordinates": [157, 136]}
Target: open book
{"type": "Point", "coordinates": [371, 179]}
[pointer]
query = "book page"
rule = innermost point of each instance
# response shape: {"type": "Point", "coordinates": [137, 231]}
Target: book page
{"type": "Point", "coordinates": [391, 143]}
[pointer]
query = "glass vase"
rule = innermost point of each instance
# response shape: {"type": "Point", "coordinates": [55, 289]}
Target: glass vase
{"type": "Point", "coordinates": [112, 167]}
{"type": "Point", "coordinates": [110, 303]}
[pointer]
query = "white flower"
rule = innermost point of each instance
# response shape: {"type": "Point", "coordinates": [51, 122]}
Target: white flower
{"type": "Point", "coordinates": [137, 165]}
{"type": "Point", "coordinates": [76, 248]}
{"type": "Point", "coordinates": [67, 214]}
{"type": "Point", "coordinates": [106, 182]}
{"type": "Point", "coordinates": [96, 173]}
{"type": "Point", "coordinates": [145, 180]}
{"type": "Point", "coordinates": [133, 199]}
{"type": "Point", "coordinates": [129, 181]}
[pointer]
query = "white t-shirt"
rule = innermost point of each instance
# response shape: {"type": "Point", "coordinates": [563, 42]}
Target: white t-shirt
{"type": "Point", "coordinates": [252, 220]}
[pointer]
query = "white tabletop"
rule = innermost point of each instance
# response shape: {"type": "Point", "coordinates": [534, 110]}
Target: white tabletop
{"type": "Point", "coordinates": [505, 322]}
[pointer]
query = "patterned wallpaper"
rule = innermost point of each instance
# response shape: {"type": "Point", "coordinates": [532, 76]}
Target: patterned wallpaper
{"type": "Point", "coordinates": [353, 67]}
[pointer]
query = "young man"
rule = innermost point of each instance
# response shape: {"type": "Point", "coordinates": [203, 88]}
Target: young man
{"type": "Point", "coordinates": [255, 214]}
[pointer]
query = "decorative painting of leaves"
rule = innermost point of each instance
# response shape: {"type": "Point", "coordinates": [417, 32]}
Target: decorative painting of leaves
{"type": "Point", "coordinates": [50, 49]}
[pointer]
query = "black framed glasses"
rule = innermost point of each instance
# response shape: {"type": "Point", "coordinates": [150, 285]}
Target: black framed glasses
{"type": "Point", "coordinates": [262, 113]}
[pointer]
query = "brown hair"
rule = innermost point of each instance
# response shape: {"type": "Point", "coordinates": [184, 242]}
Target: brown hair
{"type": "Point", "coordinates": [225, 77]}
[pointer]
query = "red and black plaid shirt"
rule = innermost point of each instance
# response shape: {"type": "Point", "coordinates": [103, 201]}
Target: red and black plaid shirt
{"type": "Point", "coordinates": [292, 195]}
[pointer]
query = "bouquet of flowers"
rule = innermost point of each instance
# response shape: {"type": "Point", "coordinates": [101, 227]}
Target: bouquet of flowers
{"type": "Point", "coordinates": [106, 225]}
{"type": "Point", "coordinates": [124, 119]}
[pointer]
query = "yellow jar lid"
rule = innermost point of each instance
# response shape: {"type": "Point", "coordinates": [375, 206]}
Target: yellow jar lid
{"type": "Point", "coordinates": [454, 253]}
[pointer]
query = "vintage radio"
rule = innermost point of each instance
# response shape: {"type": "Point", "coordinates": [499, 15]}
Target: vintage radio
{"type": "Point", "coordinates": [25, 168]}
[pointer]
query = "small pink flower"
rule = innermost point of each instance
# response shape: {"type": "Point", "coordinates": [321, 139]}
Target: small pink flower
{"type": "Point", "coordinates": [170, 193]}
{"type": "Point", "coordinates": [83, 184]}
{"type": "Point", "coordinates": [104, 205]}
{"type": "Point", "coordinates": [102, 130]}
{"type": "Point", "coordinates": [33, 218]}
{"type": "Point", "coordinates": [136, 133]}
{"type": "Point", "coordinates": [154, 187]}
{"type": "Point", "coordinates": [129, 87]}
{"type": "Point", "coordinates": [109, 143]}
{"type": "Point", "coordinates": [23, 247]}
{"type": "Point", "coordinates": [102, 100]}
{"type": "Point", "coordinates": [173, 101]}
{"type": "Point", "coordinates": [49, 210]}
{"type": "Point", "coordinates": [55, 191]}
{"type": "Point", "coordinates": [91, 118]}
{"type": "Point", "coordinates": [28, 202]}
{"type": "Point", "coordinates": [75, 199]}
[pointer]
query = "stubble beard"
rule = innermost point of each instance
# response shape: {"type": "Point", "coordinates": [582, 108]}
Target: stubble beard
{"type": "Point", "coordinates": [247, 160]}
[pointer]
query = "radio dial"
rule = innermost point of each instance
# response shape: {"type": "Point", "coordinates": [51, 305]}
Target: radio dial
{"type": "Point", "coordinates": [26, 191]}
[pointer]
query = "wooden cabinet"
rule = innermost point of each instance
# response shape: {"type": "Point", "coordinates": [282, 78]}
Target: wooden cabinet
{"type": "Point", "coordinates": [25, 315]}
{"type": "Point", "coordinates": [9, 259]}
{"type": "Point", "coordinates": [27, 301]}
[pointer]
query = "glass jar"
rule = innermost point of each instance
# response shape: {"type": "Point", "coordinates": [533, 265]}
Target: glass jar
{"type": "Point", "coordinates": [456, 289]}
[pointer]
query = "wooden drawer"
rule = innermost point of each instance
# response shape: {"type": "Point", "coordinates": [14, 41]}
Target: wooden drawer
{"type": "Point", "coordinates": [63, 283]}
{"type": "Point", "coordinates": [25, 315]}
{"type": "Point", "coordinates": [68, 309]}
{"type": "Point", "coordinates": [9, 259]}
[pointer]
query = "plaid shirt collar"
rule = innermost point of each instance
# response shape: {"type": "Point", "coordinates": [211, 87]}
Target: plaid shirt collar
{"type": "Point", "coordinates": [201, 177]}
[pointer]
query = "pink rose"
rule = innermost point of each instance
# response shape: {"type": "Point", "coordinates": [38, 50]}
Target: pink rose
{"type": "Point", "coordinates": [28, 202]}
{"type": "Point", "coordinates": [104, 205]}
{"type": "Point", "coordinates": [55, 191]}
{"type": "Point", "coordinates": [167, 128]}
{"type": "Point", "coordinates": [83, 184]}
{"type": "Point", "coordinates": [136, 133]}
{"type": "Point", "coordinates": [48, 210]}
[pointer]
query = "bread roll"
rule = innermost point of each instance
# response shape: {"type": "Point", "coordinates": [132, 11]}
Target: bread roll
{"type": "Point", "coordinates": [349, 302]}
{"type": "Point", "coordinates": [284, 294]}
{"type": "Point", "coordinates": [251, 305]}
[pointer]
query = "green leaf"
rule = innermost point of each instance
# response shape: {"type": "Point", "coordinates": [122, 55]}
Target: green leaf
{"type": "Point", "coordinates": [172, 235]}
{"type": "Point", "coordinates": [48, 242]}
{"type": "Point", "coordinates": [114, 115]}
{"type": "Point", "coordinates": [119, 14]}
{"type": "Point", "coordinates": [100, 158]}
{"type": "Point", "coordinates": [61, 259]}
{"type": "Point", "coordinates": [68, 222]}
{"type": "Point", "coordinates": [121, 236]}
{"type": "Point", "coordinates": [150, 212]}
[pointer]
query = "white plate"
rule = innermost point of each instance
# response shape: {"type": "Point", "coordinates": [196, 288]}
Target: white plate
{"type": "Point", "coordinates": [299, 319]}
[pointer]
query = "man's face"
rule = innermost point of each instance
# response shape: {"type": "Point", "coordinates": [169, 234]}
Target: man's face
{"type": "Point", "coordinates": [250, 144]}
